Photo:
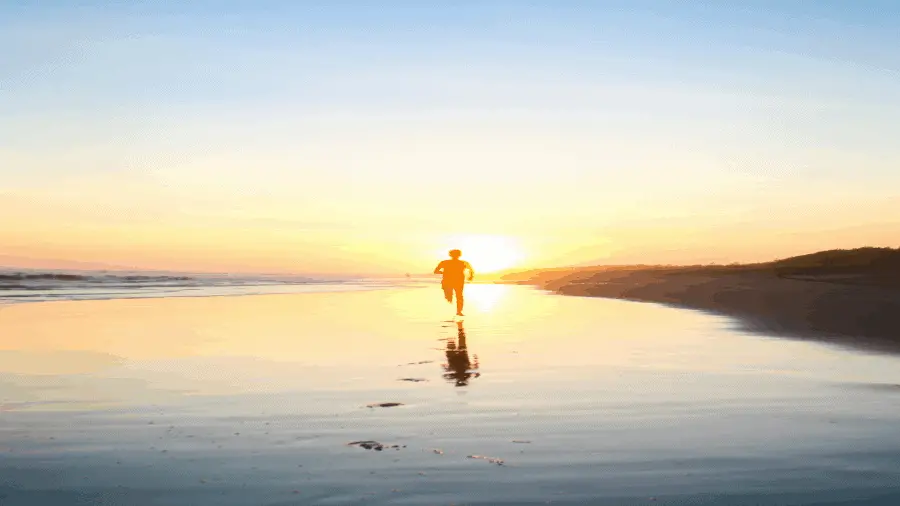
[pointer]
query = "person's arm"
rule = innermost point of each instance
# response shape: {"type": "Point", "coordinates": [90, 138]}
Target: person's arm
{"type": "Point", "coordinates": [437, 270]}
{"type": "Point", "coordinates": [471, 271]}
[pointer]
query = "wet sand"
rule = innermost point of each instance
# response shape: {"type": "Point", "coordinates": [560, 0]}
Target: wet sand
{"type": "Point", "coordinates": [837, 310]}
{"type": "Point", "coordinates": [381, 398]}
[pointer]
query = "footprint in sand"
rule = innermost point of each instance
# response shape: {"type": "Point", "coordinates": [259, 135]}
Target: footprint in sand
{"type": "Point", "coordinates": [492, 460]}
{"type": "Point", "coordinates": [375, 445]}
{"type": "Point", "coordinates": [385, 405]}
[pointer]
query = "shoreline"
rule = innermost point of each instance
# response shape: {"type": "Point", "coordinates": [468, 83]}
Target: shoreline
{"type": "Point", "coordinates": [205, 292]}
{"type": "Point", "coordinates": [356, 286]}
{"type": "Point", "coordinates": [860, 316]}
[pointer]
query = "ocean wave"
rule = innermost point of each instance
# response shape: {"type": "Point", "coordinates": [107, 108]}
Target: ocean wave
{"type": "Point", "coordinates": [46, 286]}
{"type": "Point", "coordinates": [66, 280]}
{"type": "Point", "coordinates": [103, 278]}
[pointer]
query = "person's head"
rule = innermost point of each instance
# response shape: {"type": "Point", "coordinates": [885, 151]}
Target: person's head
{"type": "Point", "coordinates": [455, 253]}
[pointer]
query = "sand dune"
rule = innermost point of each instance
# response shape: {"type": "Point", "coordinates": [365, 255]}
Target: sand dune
{"type": "Point", "coordinates": [850, 304]}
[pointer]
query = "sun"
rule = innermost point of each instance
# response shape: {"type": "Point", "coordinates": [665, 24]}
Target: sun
{"type": "Point", "coordinates": [488, 253]}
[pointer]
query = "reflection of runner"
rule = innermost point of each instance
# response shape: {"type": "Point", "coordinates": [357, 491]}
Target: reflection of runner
{"type": "Point", "coordinates": [454, 272]}
{"type": "Point", "coordinates": [458, 365]}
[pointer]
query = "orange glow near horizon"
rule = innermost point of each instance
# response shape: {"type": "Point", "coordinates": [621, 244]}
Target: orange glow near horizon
{"type": "Point", "coordinates": [84, 230]}
{"type": "Point", "coordinates": [488, 253]}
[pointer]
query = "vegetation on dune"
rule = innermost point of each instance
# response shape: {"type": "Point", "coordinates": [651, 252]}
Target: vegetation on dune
{"type": "Point", "coordinates": [860, 261]}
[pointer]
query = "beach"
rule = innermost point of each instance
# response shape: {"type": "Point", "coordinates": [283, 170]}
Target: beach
{"type": "Point", "coordinates": [855, 311]}
{"type": "Point", "coordinates": [381, 397]}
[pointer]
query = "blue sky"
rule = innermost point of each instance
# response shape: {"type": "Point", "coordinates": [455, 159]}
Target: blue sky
{"type": "Point", "coordinates": [584, 117]}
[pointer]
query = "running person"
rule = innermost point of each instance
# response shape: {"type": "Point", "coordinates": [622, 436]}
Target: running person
{"type": "Point", "coordinates": [454, 272]}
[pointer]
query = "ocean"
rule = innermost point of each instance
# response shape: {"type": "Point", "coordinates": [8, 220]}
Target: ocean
{"type": "Point", "coordinates": [18, 286]}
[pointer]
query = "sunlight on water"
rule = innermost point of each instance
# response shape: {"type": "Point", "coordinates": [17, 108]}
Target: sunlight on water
{"type": "Point", "coordinates": [485, 297]}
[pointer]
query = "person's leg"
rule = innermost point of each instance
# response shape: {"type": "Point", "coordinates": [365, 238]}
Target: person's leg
{"type": "Point", "coordinates": [448, 292]}
{"type": "Point", "coordinates": [459, 298]}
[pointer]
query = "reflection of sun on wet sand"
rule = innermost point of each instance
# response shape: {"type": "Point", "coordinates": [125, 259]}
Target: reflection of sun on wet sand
{"type": "Point", "coordinates": [850, 296]}
{"type": "Point", "coordinates": [265, 400]}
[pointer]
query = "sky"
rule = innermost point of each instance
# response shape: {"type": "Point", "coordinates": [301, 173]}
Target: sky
{"type": "Point", "coordinates": [370, 137]}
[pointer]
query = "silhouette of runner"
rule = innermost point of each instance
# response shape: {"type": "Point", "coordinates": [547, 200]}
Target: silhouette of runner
{"type": "Point", "coordinates": [454, 271]}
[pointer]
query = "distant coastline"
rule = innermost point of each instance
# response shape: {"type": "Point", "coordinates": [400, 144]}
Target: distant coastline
{"type": "Point", "coordinates": [848, 297]}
